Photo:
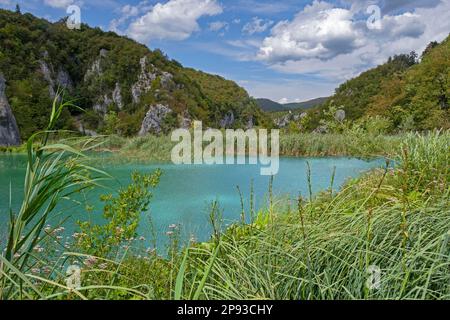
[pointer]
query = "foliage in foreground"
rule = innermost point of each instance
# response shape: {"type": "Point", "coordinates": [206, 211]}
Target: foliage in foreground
{"type": "Point", "coordinates": [395, 219]}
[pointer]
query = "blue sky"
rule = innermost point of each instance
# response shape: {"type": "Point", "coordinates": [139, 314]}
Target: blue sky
{"type": "Point", "coordinates": [290, 50]}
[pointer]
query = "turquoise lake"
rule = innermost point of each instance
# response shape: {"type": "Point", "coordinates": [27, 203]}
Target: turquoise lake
{"type": "Point", "coordinates": [185, 193]}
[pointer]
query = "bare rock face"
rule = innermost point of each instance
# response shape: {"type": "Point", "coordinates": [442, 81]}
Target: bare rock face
{"type": "Point", "coordinates": [102, 105]}
{"type": "Point", "coordinates": [228, 120]}
{"type": "Point", "coordinates": [59, 80]}
{"type": "Point", "coordinates": [47, 74]}
{"type": "Point", "coordinates": [96, 69]}
{"type": "Point", "coordinates": [250, 123]}
{"type": "Point", "coordinates": [9, 131]}
{"type": "Point", "coordinates": [284, 120]}
{"type": "Point", "coordinates": [152, 122]}
{"type": "Point", "coordinates": [85, 131]}
{"type": "Point", "coordinates": [340, 115]}
{"type": "Point", "coordinates": [144, 82]}
{"type": "Point", "coordinates": [117, 96]}
{"type": "Point", "coordinates": [185, 121]}
{"type": "Point", "coordinates": [63, 80]}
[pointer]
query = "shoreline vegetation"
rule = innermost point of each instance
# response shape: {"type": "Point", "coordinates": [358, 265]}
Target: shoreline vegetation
{"type": "Point", "coordinates": [395, 220]}
{"type": "Point", "coordinates": [157, 149]}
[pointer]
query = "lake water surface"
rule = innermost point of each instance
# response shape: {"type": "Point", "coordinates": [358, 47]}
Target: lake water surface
{"type": "Point", "coordinates": [186, 192]}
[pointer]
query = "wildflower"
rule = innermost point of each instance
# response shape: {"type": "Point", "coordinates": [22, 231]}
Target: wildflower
{"type": "Point", "coordinates": [169, 233]}
{"type": "Point", "coordinates": [47, 270]}
{"type": "Point", "coordinates": [103, 266]}
{"type": "Point", "coordinates": [17, 255]}
{"type": "Point", "coordinates": [90, 261]}
{"type": "Point", "coordinates": [173, 226]}
{"type": "Point", "coordinates": [142, 238]}
{"type": "Point", "coordinates": [35, 270]}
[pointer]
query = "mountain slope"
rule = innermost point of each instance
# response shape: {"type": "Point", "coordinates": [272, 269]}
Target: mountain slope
{"type": "Point", "coordinates": [306, 104]}
{"type": "Point", "coordinates": [113, 78]}
{"type": "Point", "coordinates": [272, 106]}
{"type": "Point", "coordinates": [269, 105]}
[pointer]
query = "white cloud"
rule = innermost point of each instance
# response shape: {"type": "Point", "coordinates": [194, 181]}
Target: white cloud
{"type": "Point", "coordinates": [219, 25]}
{"type": "Point", "coordinates": [335, 43]}
{"type": "Point", "coordinates": [60, 4]}
{"type": "Point", "coordinates": [257, 25]}
{"type": "Point", "coordinates": [320, 30]}
{"type": "Point", "coordinates": [127, 12]}
{"type": "Point", "coordinates": [283, 100]}
{"type": "Point", "coordinates": [174, 20]}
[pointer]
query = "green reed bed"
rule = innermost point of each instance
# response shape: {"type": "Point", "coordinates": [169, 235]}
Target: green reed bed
{"type": "Point", "coordinates": [153, 148]}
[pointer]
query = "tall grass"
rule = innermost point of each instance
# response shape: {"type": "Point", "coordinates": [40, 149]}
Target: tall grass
{"type": "Point", "coordinates": [54, 172]}
{"type": "Point", "coordinates": [395, 219]}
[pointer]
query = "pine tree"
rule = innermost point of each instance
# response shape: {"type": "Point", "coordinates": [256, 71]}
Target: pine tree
{"type": "Point", "coordinates": [18, 9]}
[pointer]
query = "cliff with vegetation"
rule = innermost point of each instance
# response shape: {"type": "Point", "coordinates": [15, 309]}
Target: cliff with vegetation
{"type": "Point", "coordinates": [122, 86]}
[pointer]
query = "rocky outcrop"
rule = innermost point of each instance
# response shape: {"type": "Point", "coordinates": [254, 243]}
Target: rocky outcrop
{"type": "Point", "coordinates": [102, 105]}
{"type": "Point", "coordinates": [154, 119]}
{"type": "Point", "coordinates": [144, 82]}
{"type": "Point", "coordinates": [227, 121]}
{"type": "Point", "coordinates": [340, 115]}
{"type": "Point", "coordinates": [321, 130]}
{"type": "Point", "coordinates": [47, 73]}
{"type": "Point", "coordinates": [250, 123]}
{"type": "Point", "coordinates": [95, 69]}
{"type": "Point", "coordinates": [61, 80]}
{"type": "Point", "coordinates": [148, 74]}
{"type": "Point", "coordinates": [117, 96]}
{"type": "Point", "coordinates": [9, 131]}
{"type": "Point", "coordinates": [185, 121]}
{"type": "Point", "coordinates": [84, 131]}
{"type": "Point", "coordinates": [285, 120]}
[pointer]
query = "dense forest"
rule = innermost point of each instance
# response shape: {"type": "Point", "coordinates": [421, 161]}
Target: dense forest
{"type": "Point", "coordinates": [115, 80]}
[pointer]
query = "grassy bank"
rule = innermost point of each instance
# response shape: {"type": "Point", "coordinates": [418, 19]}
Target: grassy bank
{"type": "Point", "coordinates": [395, 221]}
{"type": "Point", "coordinates": [158, 148]}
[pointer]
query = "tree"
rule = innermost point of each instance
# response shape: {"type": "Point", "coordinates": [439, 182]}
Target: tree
{"type": "Point", "coordinates": [18, 9]}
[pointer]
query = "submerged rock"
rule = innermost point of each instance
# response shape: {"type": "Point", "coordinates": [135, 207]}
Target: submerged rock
{"type": "Point", "coordinates": [9, 131]}
{"type": "Point", "coordinates": [152, 122]}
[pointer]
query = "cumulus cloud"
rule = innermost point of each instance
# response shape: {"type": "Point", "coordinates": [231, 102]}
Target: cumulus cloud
{"type": "Point", "coordinates": [336, 43]}
{"type": "Point", "coordinates": [173, 20]}
{"type": "Point", "coordinates": [127, 12]}
{"type": "Point", "coordinates": [257, 25]}
{"type": "Point", "coordinates": [320, 30]}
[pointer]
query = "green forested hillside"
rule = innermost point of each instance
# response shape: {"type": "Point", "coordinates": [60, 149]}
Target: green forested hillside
{"type": "Point", "coordinates": [114, 79]}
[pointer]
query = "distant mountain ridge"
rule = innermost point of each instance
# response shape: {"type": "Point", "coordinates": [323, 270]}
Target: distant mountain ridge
{"type": "Point", "coordinates": [272, 106]}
